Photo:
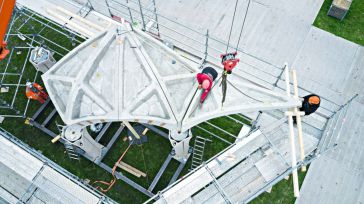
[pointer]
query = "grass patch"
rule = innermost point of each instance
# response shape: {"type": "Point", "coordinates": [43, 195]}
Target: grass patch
{"type": "Point", "coordinates": [281, 193]}
{"type": "Point", "coordinates": [351, 28]}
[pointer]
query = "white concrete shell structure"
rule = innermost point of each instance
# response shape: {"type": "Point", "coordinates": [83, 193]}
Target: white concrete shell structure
{"type": "Point", "coordinates": [125, 75]}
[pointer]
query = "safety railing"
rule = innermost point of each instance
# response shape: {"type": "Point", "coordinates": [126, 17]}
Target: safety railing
{"type": "Point", "coordinates": [23, 26]}
{"type": "Point", "coordinates": [333, 127]}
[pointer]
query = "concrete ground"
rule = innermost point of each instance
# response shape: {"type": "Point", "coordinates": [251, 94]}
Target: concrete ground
{"type": "Point", "coordinates": [281, 31]}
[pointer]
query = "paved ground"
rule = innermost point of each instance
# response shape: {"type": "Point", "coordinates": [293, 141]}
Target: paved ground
{"type": "Point", "coordinates": [280, 31]}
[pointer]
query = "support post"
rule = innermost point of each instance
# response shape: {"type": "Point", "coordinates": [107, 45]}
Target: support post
{"type": "Point", "coordinates": [180, 143]}
{"type": "Point", "coordinates": [292, 141]}
{"type": "Point", "coordinates": [206, 48]}
{"type": "Point", "coordinates": [132, 130]}
{"type": "Point", "coordinates": [298, 120]}
{"type": "Point", "coordinates": [141, 14]}
{"type": "Point", "coordinates": [131, 16]}
{"type": "Point", "coordinates": [280, 76]}
{"type": "Point", "coordinates": [77, 135]}
{"type": "Point", "coordinates": [156, 17]}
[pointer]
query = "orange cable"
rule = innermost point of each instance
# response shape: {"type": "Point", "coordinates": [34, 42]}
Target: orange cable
{"type": "Point", "coordinates": [112, 182]}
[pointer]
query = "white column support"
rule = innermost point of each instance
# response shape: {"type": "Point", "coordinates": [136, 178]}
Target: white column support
{"type": "Point", "coordinates": [298, 120]}
{"type": "Point", "coordinates": [180, 143]}
{"type": "Point", "coordinates": [132, 130]}
{"type": "Point", "coordinates": [77, 135]}
{"type": "Point", "coordinates": [291, 137]}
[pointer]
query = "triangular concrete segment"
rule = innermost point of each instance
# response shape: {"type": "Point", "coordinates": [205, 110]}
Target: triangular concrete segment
{"type": "Point", "coordinates": [62, 90]}
{"type": "Point", "coordinates": [87, 107]}
{"type": "Point", "coordinates": [180, 92]}
{"type": "Point", "coordinates": [165, 63]}
{"type": "Point", "coordinates": [151, 107]}
{"type": "Point", "coordinates": [131, 86]}
{"type": "Point", "coordinates": [69, 65]}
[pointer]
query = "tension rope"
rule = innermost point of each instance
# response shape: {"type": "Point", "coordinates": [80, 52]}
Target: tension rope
{"type": "Point", "coordinates": [231, 56]}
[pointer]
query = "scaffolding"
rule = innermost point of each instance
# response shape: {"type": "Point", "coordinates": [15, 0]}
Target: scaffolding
{"type": "Point", "coordinates": [203, 49]}
{"type": "Point", "coordinates": [248, 179]}
{"type": "Point", "coordinates": [40, 179]}
{"type": "Point", "coordinates": [28, 30]}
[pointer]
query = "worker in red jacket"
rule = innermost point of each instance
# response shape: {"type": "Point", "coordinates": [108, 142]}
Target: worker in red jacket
{"type": "Point", "coordinates": [229, 61]}
{"type": "Point", "coordinates": [34, 91]}
{"type": "Point", "coordinates": [205, 80]}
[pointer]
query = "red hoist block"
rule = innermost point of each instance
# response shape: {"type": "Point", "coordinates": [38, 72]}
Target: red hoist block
{"type": "Point", "coordinates": [3, 51]}
{"type": "Point", "coordinates": [229, 61]}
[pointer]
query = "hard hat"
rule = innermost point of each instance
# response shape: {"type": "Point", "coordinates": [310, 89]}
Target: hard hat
{"type": "Point", "coordinates": [314, 100]}
{"type": "Point", "coordinates": [28, 84]}
{"type": "Point", "coordinates": [205, 84]}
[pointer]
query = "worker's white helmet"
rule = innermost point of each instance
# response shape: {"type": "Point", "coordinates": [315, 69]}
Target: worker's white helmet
{"type": "Point", "coordinates": [28, 84]}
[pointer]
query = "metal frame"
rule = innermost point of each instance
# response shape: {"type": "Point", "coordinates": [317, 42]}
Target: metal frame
{"type": "Point", "coordinates": [23, 16]}
{"type": "Point", "coordinates": [54, 166]}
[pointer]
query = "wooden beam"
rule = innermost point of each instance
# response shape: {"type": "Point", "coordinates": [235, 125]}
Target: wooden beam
{"type": "Point", "coordinates": [132, 130]}
{"type": "Point", "coordinates": [292, 141]}
{"type": "Point", "coordinates": [298, 120]}
{"type": "Point", "coordinates": [56, 138]}
{"type": "Point", "coordinates": [131, 169]}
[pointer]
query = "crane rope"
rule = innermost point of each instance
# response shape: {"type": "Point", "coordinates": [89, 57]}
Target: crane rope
{"type": "Point", "coordinates": [232, 25]}
{"type": "Point", "coordinates": [242, 27]}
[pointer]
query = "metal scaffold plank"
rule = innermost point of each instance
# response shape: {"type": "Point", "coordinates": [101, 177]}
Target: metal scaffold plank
{"type": "Point", "coordinates": [41, 109]}
{"type": "Point", "coordinates": [102, 132]}
{"type": "Point", "coordinates": [177, 173]}
{"type": "Point", "coordinates": [160, 172]}
{"type": "Point", "coordinates": [49, 117]}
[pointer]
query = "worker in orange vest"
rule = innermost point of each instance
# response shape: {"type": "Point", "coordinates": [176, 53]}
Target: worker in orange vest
{"type": "Point", "coordinates": [35, 92]}
{"type": "Point", "coordinates": [310, 104]}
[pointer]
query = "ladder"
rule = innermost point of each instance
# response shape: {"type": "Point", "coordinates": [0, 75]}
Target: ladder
{"type": "Point", "coordinates": [72, 154]}
{"type": "Point", "coordinates": [198, 151]}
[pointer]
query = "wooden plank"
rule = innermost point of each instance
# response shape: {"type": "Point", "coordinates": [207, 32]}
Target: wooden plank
{"type": "Point", "coordinates": [129, 170]}
{"type": "Point", "coordinates": [133, 169]}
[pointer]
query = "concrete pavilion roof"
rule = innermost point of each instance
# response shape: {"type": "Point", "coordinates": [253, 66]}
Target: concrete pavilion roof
{"type": "Point", "coordinates": [127, 75]}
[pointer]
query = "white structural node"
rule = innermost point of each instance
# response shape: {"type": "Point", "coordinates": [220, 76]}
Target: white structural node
{"type": "Point", "coordinates": [126, 75]}
{"type": "Point", "coordinates": [42, 59]}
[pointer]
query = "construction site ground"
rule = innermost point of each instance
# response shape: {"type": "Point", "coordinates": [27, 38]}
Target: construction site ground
{"type": "Point", "coordinates": [85, 169]}
{"type": "Point", "coordinates": [282, 192]}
